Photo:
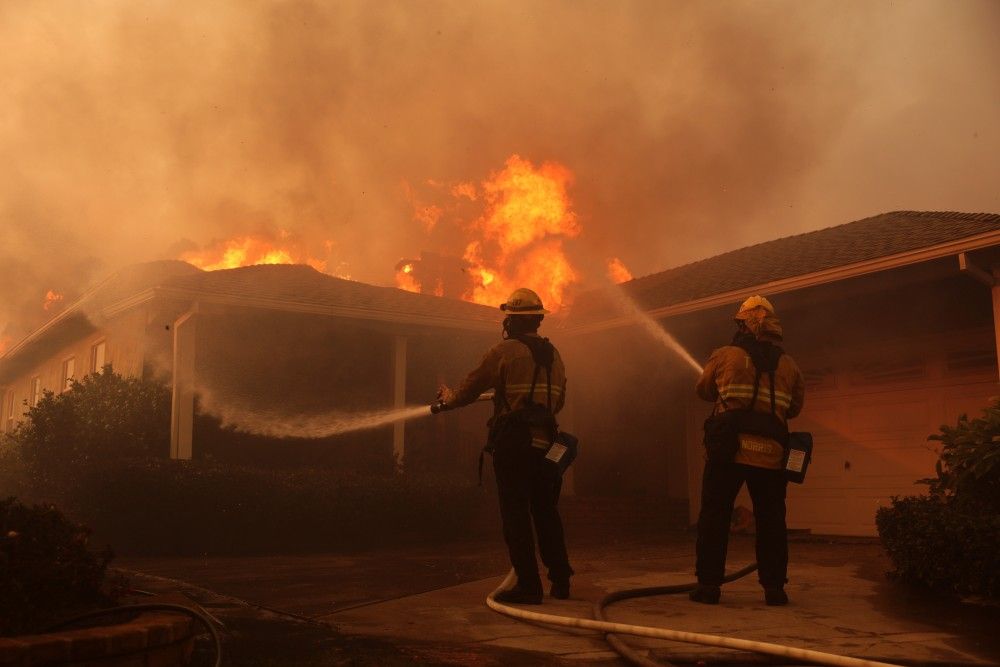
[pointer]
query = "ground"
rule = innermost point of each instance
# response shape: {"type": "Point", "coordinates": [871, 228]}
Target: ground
{"type": "Point", "coordinates": [423, 605]}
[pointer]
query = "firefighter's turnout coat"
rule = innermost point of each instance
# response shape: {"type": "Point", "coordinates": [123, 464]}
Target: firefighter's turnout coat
{"type": "Point", "coordinates": [508, 368]}
{"type": "Point", "coordinates": [728, 380]}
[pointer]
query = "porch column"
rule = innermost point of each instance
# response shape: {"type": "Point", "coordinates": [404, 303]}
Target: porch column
{"type": "Point", "coordinates": [182, 401]}
{"type": "Point", "coordinates": [398, 397]}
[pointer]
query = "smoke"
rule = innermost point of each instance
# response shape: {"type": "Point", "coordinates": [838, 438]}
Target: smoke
{"type": "Point", "coordinates": [138, 131]}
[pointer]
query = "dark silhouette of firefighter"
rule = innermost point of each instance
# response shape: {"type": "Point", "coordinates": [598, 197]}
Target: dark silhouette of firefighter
{"type": "Point", "coordinates": [756, 388]}
{"type": "Point", "coordinates": [529, 382]}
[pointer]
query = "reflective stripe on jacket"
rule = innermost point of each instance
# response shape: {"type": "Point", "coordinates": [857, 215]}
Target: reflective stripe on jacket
{"type": "Point", "coordinates": [728, 380]}
{"type": "Point", "coordinates": [507, 368]}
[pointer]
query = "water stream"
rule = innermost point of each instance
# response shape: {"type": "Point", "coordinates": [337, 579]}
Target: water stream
{"type": "Point", "coordinates": [322, 425]}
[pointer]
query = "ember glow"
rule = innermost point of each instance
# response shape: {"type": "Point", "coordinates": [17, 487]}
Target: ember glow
{"type": "Point", "coordinates": [51, 299]}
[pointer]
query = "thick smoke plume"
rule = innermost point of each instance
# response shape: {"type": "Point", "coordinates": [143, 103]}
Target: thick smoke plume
{"type": "Point", "coordinates": [135, 131]}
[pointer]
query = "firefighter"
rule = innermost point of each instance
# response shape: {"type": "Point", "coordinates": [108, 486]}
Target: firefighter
{"type": "Point", "coordinates": [756, 388]}
{"type": "Point", "coordinates": [529, 382]}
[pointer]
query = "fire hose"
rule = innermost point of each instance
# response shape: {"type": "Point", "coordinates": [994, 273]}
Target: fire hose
{"type": "Point", "coordinates": [611, 629]}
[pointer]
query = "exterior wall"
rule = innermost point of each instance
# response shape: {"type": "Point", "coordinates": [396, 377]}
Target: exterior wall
{"type": "Point", "coordinates": [124, 351]}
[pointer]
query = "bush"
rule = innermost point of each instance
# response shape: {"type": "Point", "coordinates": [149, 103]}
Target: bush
{"type": "Point", "coordinates": [104, 416]}
{"type": "Point", "coordinates": [186, 507]}
{"type": "Point", "coordinates": [942, 544]}
{"type": "Point", "coordinates": [949, 540]}
{"type": "Point", "coordinates": [969, 466]}
{"type": "Point", "coordinates": [46, 570]}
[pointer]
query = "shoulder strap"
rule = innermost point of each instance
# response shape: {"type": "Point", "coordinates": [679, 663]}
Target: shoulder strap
{"type": "Point", "coordinates": [765, 358]}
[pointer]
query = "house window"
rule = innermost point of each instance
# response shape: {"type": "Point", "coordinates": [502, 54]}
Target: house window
{"type": "Point", "coordinates": [68, 373]}
{"type": "Point", "coordinates": [98, 356]}
{"type": "Point", "coordinates": [9, 407]}
{"type": "Point", "coordinates": [36, 391]}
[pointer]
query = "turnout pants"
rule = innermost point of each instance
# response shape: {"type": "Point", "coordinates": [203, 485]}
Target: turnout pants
{"type": "Point", "coordinates": [720, 484]}
{"type": "Point", "coordinates": [528, 488]}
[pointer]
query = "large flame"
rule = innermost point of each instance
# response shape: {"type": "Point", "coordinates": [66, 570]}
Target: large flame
{"type": "Point", "coordinates": [513, 226]}
{"type": "Point", "coordinates": [254, 249]}
{"type": "Point", "coordinates": [520, 235]}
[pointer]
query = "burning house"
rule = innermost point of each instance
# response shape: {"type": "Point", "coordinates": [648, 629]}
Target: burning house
{"type": "Point", "coordinates": [893, 320]}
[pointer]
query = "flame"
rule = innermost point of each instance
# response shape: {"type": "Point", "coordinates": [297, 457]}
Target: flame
{"type": "Point", "coordinates": [617, 271]}
{"type": "Point", "coordinates": [251, 250]}
{"type": "Point", "coordinates": [51, 298]}
{"type": "Point", "coordinates": [405, 279]}
{"type": "Point", "coordinates": [520, 235]}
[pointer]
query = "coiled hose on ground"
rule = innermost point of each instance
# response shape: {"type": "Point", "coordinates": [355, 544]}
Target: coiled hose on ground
{"type": "Point", "coordinates": [611, 629]}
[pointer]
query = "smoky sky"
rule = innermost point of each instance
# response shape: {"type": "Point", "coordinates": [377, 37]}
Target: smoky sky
{"type": "Point", "coordinates": [132, 131]}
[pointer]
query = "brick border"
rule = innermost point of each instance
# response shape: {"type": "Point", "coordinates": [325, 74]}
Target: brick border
{"type": "Point", "coordinates": [152, 639]}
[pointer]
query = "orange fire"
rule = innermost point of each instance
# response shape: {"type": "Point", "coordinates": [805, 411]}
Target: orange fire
{"type": "Point", "coordinates": [514, 240]}
{"type": "Point", "coordinates": [617, 271]}
{"type": "Point", "coordinates": [51, 299]}
{"type": "Point", "coordinates": [405, 279]}
{"type": "Point", "coordinates": [250, 251]}
{"type": "Point", "coordinates": [4, 344]}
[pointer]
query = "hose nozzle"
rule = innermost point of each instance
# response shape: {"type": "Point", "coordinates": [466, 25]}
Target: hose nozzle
{"type": "Point", "coordinates": [438, 406]}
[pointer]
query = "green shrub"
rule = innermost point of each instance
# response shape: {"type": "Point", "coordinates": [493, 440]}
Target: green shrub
{"type": "Point", "coordinates": [104, 416]}
{"type": "Point", "coordinates": [188, 507]}
{"type": "Point", "coordinates": [46, 570]}
{"type": "Point", "coordinates": [942, 544]}
{"type": "Point", "coordinates": [969, 465]}
{"type": "Point", "coordinates": [949, 540]}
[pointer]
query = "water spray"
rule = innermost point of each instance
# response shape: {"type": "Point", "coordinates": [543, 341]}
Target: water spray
{"type": "Point", "coordinates": [654, 328]}
{"type": "Point", "coordinates": [323, 425]}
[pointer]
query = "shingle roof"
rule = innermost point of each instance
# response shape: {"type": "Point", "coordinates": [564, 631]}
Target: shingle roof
{"type": "Point", "coordinates": [872, 238]}
{"type": "Point", "coordinates": [298, 285]}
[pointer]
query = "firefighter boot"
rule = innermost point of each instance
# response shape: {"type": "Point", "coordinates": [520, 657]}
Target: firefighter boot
{"type": "Point", "coordinates": [520, 595]}
{"type": "Point", "coordinates": [775, 595]}
{"type": "Point", "coordinates": [560, 589]}
{"type": "Point", "coordinates": [705, 594]}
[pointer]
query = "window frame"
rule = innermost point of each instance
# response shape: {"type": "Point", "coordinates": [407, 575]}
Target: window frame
{"type": "Point", "coordinates": [68, 364]}
{"type": "Point", "coordinates": [94, 367]}
{"type": "Point", "coordinates": [35, 391]}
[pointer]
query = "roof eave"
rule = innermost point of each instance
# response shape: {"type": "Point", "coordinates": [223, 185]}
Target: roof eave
{"type": "Point", "coordinates": [216, 298]}
{"type": "Point", "coordinates": [803, 281]}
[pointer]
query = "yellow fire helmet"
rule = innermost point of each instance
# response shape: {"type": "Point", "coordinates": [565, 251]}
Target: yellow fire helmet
{"type": "Point", "coordinates": [523, 301]}
{"type": "Point", "coordinates": [748, 307]}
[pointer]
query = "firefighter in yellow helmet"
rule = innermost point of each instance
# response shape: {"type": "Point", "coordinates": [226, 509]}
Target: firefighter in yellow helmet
{"type": "Point", "coordinates": [756, 388]}
{"type": "Point", "coordinates": [529, 380]}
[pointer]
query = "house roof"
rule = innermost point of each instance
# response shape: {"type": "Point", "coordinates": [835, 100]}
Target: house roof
{"type": "Point", "coordinates": [283, 287]}
{"type": "Point", "coordinates": [865, 246]}
{"type": "Point", "coordinates": [299, 288]}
